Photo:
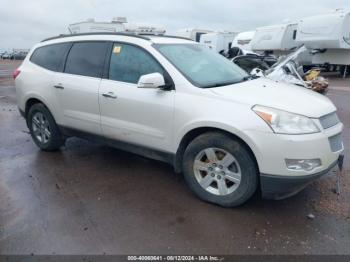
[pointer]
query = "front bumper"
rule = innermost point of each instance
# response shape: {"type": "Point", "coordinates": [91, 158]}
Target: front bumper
{"type": "Point", "coordinates": [280, 187]}
{"type": "Point", "coordinates": [272, 150]}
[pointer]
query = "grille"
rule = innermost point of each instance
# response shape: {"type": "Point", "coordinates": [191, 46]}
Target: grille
{"type": "Point", "coordinates": [329, 120]}
{"type": "Point", "coordinates": [336, 143]}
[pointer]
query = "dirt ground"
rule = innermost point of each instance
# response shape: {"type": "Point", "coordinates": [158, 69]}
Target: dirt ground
{"type": "Point", "coordinates": [92, 199]}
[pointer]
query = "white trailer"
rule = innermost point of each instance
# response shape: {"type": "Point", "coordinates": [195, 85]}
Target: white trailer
{"type": "Point", "coordinates": [192, 33]}
{"type": "Point", "coordinates": [218, 41]}
{"type": "Point", "coordinates": [243, 40]}
{"type": "Point", "coordinates": [277, 39]}
{"type": "Point", "coordinates": [328, 36]}
{"type": "Point", "coordinates": [90, 25]}
{"type": "Point", "coordinates": [118, 24]}
{"type": "Point", "coordinates": [137, 28]}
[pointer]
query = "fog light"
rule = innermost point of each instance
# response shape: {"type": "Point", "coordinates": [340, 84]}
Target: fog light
{"type": "Point", "coordinates": [303, 164]}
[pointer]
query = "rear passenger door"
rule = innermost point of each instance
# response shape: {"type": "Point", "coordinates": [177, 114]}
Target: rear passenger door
{"type": "Point", "coordinates": [139, 116]}
{"type": "Point", "coordinates": [45, 62]}
{"type": "Point", "coordinates": [77, 86]}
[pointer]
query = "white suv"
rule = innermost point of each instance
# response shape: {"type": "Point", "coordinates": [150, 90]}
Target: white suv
{"type": "Point", "coordinates": [175, 100]}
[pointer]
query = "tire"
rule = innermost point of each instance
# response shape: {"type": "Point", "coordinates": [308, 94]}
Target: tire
{"type": "Point", "coordinates": [43, 128]}
{"type": "Point", "coordinates": [238, 166]}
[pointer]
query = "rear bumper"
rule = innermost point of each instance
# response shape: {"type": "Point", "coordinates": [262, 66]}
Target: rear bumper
{"type": "Point", "coordinates": [280, 187]}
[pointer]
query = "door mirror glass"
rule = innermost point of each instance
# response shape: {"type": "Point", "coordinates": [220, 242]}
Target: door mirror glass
{"type": "Point", "coordinates": [154, 80]}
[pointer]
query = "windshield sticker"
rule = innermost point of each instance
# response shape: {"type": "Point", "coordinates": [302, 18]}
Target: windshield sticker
{"type": "Point", "coordinates": [117, 49]}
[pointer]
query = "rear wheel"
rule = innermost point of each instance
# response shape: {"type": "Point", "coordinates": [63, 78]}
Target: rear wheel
{"type": "Point", "coordinates": [220, 169]}
{"type": "Point", "coordinates": [43, 128]}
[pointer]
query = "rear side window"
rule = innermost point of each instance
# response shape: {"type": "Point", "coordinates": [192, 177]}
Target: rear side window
{"type": "Point", "coordinates": [50, 56]}
{"type": "Point", "coordinates": [86, 59]}
{"type": "Point", "coordinates": [129, 63]}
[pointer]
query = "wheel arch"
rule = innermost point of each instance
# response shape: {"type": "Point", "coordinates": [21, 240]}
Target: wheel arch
{"type": "Point", "coordinates": [193, 133]}
{"type": "Point", "coordinates": [30, 101]}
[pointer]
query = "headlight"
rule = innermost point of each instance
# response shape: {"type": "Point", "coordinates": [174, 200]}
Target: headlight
{"type": "Point", "coordinates": [283, 122]}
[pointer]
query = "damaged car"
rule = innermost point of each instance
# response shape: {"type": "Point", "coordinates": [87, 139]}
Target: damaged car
{"type": "Point", "coordinates": [290, 70]}
{"type": "Point", "coordinates": [177, 101]}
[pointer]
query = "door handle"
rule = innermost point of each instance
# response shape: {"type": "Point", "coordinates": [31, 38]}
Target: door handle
{"type": "Point", "coordinates": [109, 95]}
{"type": "Point", "coordinates": [58, 86]}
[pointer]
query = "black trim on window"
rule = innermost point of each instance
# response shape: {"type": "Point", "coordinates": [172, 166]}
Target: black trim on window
{"type": "Point", "coordinates": [105, 74]}
{"type": "Point", "coordinates": [64, 60]}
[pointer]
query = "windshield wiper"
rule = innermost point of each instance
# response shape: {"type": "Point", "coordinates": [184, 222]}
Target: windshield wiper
{"type": "Point", "coordinates": [249, 77]}
{"type": "Point", "coordinates": [246, 78]}
{"type": "Point", "coordinates": [221, 84]}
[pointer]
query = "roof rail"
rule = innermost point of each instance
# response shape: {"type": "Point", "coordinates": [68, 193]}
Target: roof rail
{"type": "Point", "coordinates": [96, 33]}
{"type": "Point", "coordinates": [170, 36]}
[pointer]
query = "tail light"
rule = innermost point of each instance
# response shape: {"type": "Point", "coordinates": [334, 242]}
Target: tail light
{"type": "Point", "coordinates": [16, 73]}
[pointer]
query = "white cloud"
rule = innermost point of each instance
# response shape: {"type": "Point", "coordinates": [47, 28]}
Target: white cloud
{"type": "Point", "coordinates": [23, 23]}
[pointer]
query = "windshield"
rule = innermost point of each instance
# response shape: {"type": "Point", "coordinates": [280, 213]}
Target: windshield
{"type": "Point", "coordinates": [201, 66]}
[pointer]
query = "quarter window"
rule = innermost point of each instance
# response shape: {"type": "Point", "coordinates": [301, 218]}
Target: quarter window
{"type": "Point", "coordinates": [128, 63]}
{"type": "Point", "coordinates": [50, 56]}
{"type": "Point", "coordinates": [86, 59]}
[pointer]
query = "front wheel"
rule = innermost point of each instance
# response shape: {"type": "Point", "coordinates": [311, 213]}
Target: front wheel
{"type": "Point", "coordinates": [220, 169]}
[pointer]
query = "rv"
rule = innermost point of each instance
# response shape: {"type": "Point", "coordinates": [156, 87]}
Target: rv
{"type": "Point", "coordinates": [243, 40]}
{"type": "Point", "coordinates": [192, 33]}
{"type": "Point", "coordinates": [277, 39]}
{"type": "Point", "coordinates": [328, 36]}
{"type": "Point", "coordinates": [218, 41]}
{"type": "Point", "coordinates": [118, 24]}
{"type": "Point", "coordinates": [91, 26]}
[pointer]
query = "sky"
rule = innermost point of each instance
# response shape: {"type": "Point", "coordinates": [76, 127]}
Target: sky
{"type": "Point", "coordinates": [26, 22]}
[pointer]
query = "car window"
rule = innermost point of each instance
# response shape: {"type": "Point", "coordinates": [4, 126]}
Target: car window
{"type": "Point", "coordinates": [202, 66]}
{"type": "Point", "coordinates": [86, 59]}
{"type": "Point", "coordinates": [128, 63]}
{"type": "Point", "coordinates": [50, 56]}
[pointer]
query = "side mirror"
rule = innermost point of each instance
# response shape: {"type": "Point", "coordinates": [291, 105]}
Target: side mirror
{"type": "Point", "coordinates": [154, 80]}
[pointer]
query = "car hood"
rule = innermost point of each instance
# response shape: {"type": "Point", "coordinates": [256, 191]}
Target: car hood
{"type": "Point", "coordinates": [279, 95]}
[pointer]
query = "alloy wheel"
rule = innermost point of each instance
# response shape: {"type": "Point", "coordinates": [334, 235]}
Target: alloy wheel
{"type": "Point", "coordinates": [217, 171]}
{"type": "Point", "coordinates": [41, 127]}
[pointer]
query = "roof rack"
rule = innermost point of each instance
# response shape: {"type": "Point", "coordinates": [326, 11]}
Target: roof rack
{"type": "Point", "coordinates": [96, 33]}
{"type": "Point", "coordinates": [170, 36]}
